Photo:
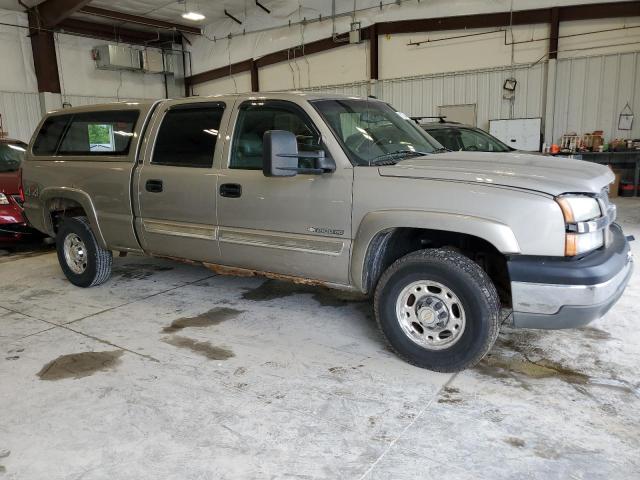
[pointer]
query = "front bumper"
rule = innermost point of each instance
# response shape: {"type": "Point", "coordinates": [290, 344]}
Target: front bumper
{"type": "Point", "coordinates": [554, 293]}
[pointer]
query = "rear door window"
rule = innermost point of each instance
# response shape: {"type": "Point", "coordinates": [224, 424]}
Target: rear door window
{"type": "Point", "coordinates": [99, 133]}
{"type": "Point", "coordinates": [188, 135]}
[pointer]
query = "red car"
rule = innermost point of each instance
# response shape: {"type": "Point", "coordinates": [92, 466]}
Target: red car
{"type": "Point", "coordinates": [13, 224]}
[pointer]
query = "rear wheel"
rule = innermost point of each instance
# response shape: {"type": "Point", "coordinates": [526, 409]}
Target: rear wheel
{"type": "Point", "coordinates": [83, 261]}
{"type": "Point", "coordinates": [438, 310]}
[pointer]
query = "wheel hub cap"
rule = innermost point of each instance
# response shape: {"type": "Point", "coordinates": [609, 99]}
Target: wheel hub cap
{"type": "Point", "coordinates": [430, 314]}
{"type": "Point", "coordinates": [75, 253]}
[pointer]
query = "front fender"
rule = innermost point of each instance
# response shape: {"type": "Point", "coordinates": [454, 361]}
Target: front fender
{"type": "Point", "coordinates": [497, 234]}
{"type": "Point", "coordinates": [51, 193]}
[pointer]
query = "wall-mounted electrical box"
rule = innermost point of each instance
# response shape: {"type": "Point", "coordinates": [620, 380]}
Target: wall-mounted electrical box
{"type": "Point", "coordinates": [354, 33]}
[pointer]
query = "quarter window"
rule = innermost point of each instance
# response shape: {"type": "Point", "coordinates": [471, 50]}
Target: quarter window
{"type": "Point", "coordinates": [188, 135]}
{"type": "Point", "coordinates": [99, 133]}
{"type": "Point", "coordinates": [49, 135]}
{"type": "Point", "coordinates": [255, 118]}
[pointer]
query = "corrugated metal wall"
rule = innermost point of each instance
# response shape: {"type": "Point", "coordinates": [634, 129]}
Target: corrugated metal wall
{"type": "Point", "coordinates": [20, 113]}
{"type": "Point", "coordinates": [80, 100]}
{"type": "Point", "coordinates": [421, 96]}
{"type": "Point", "coordinates": [358, 89]}
{"type": "Point", "coordinates": [591, 92]}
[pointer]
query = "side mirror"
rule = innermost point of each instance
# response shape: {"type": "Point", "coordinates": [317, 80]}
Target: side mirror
{"type": "Point", "coordinates": [281, 156]}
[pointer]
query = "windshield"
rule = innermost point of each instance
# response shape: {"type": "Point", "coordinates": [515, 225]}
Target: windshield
{"type": "Point", "coordinates": [372, 131]}
{"type": "Point", "coordinates": [467, 139]}
{"type": "Point", "coordinates": [11, 156]}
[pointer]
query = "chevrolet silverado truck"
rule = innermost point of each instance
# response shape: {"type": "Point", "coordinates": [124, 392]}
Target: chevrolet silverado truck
{"type": "Point", "coordinates": [336, 191]}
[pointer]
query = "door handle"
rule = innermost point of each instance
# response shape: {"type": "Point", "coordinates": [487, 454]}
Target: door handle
{"type": "Point", "coordinates": [154, 186]}
{"type": "Point", "coordinates": [230, 190]}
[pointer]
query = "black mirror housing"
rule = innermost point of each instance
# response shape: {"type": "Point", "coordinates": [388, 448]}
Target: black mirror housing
{"type": "Point", "coordinates": [280, 154]}
{"type": "Point", "coordinates": [280, 157]}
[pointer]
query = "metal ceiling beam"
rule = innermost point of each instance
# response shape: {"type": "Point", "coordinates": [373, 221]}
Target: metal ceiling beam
{"type": "Point", "coordinates": [554, 33]}
{"type": "Point", "coordinates": [373, 51]}
{"type": "Point", "coordinates": [491, 20]}
{"type": "Point", "coordinates": [111, 32]}
{"type": "Point", "coordinates": [45, 61]}
{"type": "Point", "coordinates": [255, 79]}
{"type": "Point", "coordinates": [52, 12]}
{"type": "Point", "coordinates": [226, 71]}
{"type": "Point", "coordinates": [139, 20]}
{"type": "Point", "coordinates": [599, 10]}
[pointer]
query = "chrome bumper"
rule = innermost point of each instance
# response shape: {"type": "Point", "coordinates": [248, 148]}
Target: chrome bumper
{"type": "Point", "coordinates": [553, 306]}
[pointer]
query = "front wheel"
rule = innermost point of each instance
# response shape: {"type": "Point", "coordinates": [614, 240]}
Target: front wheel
{"type": "Point", "coordinates": [84, 262]}
{"type": "Point", "coordinates": [438, 310]}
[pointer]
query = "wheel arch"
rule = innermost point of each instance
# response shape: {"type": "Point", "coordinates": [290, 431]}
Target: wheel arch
{"type": "Point", "coordinates": [378, 234]}
{"type": "Point", "coordinates": [64, 202]}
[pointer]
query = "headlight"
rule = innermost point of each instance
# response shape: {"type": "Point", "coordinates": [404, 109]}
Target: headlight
{"type": "Point", "coordinates": [585, 224]}
{"type": "Point", "coordinates": [579, 208]}
{"type": "Point", "coordinates": [3, 199]}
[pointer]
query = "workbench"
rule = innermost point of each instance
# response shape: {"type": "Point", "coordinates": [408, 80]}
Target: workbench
{"type": "Point", "coordinates": [629, 159]}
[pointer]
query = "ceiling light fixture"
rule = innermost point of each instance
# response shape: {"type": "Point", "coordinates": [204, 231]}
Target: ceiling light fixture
{"type": "Point", "coordinates": [193, 16]}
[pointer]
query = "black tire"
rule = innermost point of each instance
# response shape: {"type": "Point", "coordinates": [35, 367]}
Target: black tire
{"type": "Point", "coordinates": [473, 289]}
{"type": "Point", "coordinates": [98, 260]}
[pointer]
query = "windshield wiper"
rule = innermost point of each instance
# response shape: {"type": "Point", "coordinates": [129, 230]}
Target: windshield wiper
{"type": "Point", "coordinates": [442, 150]}
{"type": "Point", "coordinates": [387, 157]}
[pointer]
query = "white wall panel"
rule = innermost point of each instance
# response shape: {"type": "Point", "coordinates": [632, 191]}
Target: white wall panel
{"type": "Point", "coordinates": [80, 77]}
{"type": "Point", "coordinates": [442, 52]}
{"type": "Point", "coordinates": [20, 113]}
{"type": "Point", "coordinates": [238, 83]}
{"type": "Point", "coordinates": [591, 92]}
{"type": "Point", "coordinates": [349, 64]}
{"type": "Point", "coordinates": [17, 73]}
{"type": "Point", "coordinates": [423, 95]}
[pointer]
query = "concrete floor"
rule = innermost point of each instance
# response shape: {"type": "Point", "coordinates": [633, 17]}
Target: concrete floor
{"type": "Point", "coordinates": [168, 371]}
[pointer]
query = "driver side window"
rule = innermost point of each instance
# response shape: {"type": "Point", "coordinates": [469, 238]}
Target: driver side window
{"type": "Point", "coordinates": [255, 118]}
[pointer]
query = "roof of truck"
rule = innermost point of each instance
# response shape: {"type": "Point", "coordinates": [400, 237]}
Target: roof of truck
{"type": "Point", "coordinates": [130, 104]}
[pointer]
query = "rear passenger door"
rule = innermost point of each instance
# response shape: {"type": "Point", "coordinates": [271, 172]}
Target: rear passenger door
{"type": "Point", "coordinates": [176, 183]}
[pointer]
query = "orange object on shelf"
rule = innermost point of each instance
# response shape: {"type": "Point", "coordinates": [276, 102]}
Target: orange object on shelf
{"type": "Point", "coordinates": [555, 148]}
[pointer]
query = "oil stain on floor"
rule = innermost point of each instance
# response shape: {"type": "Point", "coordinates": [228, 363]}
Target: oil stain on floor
{"type": "Point", "coordinates": [516, 357]}
{"type": "Point", "coordinates": [498, 365]}
{"type": "Point", "coordinates": [215, 316]}
{"type": "Point", "coordinates": [79, 365]}
{"type": "Point", "coordinates": [205, 349]}
{"type": "Point", "coordinates": [274, 289]}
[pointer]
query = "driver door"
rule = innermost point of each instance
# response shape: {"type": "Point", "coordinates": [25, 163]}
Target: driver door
{"type": "Point", "coordinates": [300, 225]}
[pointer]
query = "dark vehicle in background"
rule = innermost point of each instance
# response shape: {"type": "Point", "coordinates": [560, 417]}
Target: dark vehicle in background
{"type": "Point", "coordinates": [459, 137]}
{"type": "Point", "coordinates": [13, 225]}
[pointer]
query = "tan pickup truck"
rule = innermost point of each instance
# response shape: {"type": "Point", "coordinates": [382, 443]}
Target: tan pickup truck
{"type": "Point", "coordinates": [336, 191]}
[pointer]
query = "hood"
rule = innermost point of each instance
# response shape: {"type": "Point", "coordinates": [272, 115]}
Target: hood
{"type": "Point", "coordinates": [10, 183]}
{"type": "Point", "coordinates": [549, 175]}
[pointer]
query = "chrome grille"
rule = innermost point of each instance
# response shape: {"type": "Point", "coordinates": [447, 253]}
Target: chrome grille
{"type": "Point", "coordinates": [609, 213]}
